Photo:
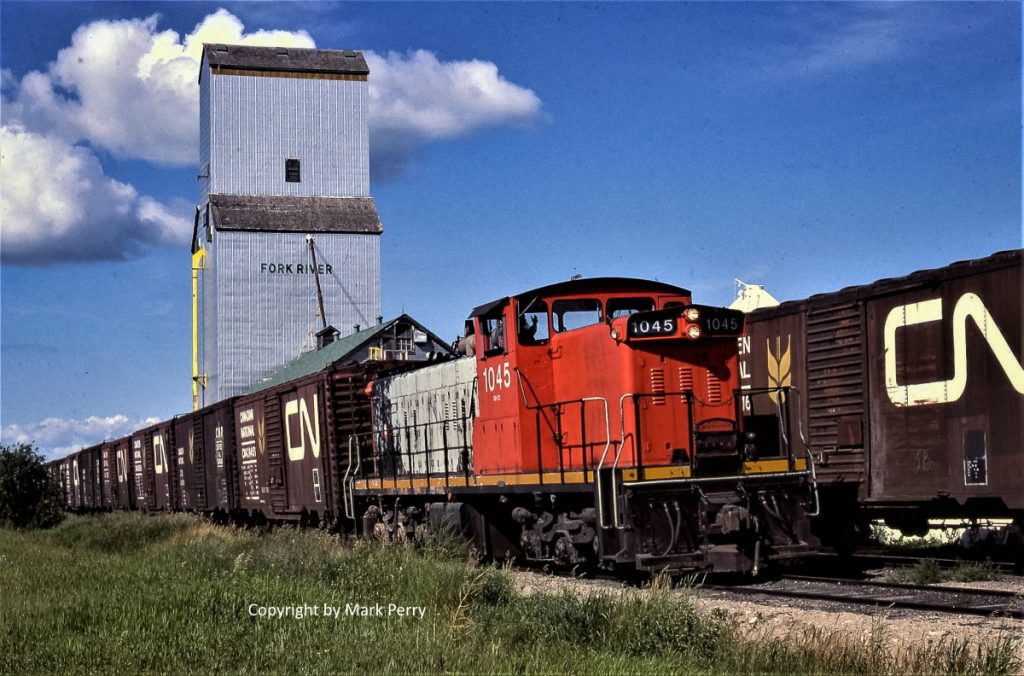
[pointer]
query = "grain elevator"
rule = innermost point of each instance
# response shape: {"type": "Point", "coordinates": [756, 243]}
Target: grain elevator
{"type": "Point", "coordinates": [287, 237]}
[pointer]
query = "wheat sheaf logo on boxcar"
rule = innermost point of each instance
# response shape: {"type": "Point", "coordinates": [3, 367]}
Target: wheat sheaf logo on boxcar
{"type": "Point", "coordinates": [969, 306]}
{"type": "Point", "coordinates": [779, 372]}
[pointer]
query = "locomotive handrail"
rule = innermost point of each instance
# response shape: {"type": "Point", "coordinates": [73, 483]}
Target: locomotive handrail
{"type": "Point", "coordinates": [784, 422]}
{"type": "Point", "coordinates": [555, 406]}
{"type": "Point", "coordinates": [397, 432]}
{"type": "Point", "coordinates": [348, 481]}
{"type": "Point", "coordinates": [636, 396]}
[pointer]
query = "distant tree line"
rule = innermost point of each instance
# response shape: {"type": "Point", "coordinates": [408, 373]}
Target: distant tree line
{"type": "Point", "coordinates": [29, 496]}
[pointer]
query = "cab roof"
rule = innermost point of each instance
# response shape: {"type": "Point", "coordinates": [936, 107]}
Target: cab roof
{"type": "Point", "coordinates": [588, 286]}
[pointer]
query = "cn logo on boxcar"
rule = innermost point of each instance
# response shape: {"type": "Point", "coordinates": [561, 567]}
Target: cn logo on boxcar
{"type": "Point", "coordinates": [946, 391]}
{"type": "Point", "coordinates": [307, 427]}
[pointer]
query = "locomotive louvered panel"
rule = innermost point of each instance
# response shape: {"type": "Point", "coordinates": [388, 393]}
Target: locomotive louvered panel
{"type": "Point", "coordinates": [835, 376]}
{"type": "Point", "coordinates": [714, 389]}
{"type": "Point", "coordinates": [658, 386]}
{"type": "Point", "coordinates": [685, 382]}
{"type": "Point", "coordinates": [416, 397]}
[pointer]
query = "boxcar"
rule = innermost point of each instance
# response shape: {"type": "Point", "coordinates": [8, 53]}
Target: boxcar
{"type": "Point", "coordinates": [912, 390]}
{"type": "Point", "coordinates": [292, 441]}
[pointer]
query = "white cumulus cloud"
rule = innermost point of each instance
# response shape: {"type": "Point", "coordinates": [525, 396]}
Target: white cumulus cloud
{"type": "Point", "coordinates": [416, 98]}
{"type": "Point", "coordinates": [129, 88]}
{"type": "Point", "coordinates": [56, 204]}
{"type": "Point", "coordinates": [56, 437]}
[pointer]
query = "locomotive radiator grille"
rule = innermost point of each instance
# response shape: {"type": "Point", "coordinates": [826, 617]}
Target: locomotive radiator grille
{"type": "Point", "coordinates": [658, 386]}
{"type": "Point", "coordinates": [685, 381]}
{"type": "Point", "coordinates": [714, 389]}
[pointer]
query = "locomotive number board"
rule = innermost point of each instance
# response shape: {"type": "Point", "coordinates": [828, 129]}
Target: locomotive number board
{"type": "Point", "coordinates": [713, 322]}
{"type": "Point", "coordinates": [655, 324]}
{"type": "Point", "coordinates": [720, 321]}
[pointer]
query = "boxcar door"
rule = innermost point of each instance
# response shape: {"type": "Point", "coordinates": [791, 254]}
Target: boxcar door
{"type": "Point", "coordinates": [108, 469]}
{"type": "Point", "coordinates": [304, 445]}
{"type": "Point", "coordinates": [122, 454]}
{"type": "Point", "coordinates": [217, 446]}
{"type": "Point", "coordinates": [161, 468]}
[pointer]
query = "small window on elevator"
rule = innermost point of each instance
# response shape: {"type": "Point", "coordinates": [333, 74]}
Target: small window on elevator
{"type": "Point", "coordinates": [291, 171]}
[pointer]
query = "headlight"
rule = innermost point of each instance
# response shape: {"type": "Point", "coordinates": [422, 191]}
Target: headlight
{"type": "Point", "coordinates": [615, 334]}
{"type": "Point", "coordinates": [693, 331]}
{"type": "Point", "coordinates": [692, 314]}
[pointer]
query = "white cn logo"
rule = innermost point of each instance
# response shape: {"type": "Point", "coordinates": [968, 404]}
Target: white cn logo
{"type": "Point", "coordinates": [122, 474]}
{"type": "Point", "coordinates": [159, 454]}
{"type": "Point", "coordinates": [307, 428]}
{"type": "Point", "coordinates": [74, 466]}
{"type": "Point", "coordinates": [946, 391]}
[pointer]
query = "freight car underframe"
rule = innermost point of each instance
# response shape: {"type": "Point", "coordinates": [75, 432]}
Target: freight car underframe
{"type": "Point", "coordinates": [598, 513]}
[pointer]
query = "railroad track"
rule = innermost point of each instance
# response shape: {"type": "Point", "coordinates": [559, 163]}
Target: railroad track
{"type": "Point", "coordinates": [953, 600]}
{"type": "Point", "coordinates": [870, 560]}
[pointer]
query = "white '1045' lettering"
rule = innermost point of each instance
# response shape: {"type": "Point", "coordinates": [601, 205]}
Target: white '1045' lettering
{"type": "Point", "coordinates": [497, 377]}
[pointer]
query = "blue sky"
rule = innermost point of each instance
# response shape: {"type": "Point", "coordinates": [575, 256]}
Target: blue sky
{"type": "Point", "coordinates": [802, 146]}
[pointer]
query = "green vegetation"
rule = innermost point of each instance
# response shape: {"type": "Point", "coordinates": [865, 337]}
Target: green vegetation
{"type": "Point", "coordinates": [129, 593]}
{"type": "Point", "coordinates": [927, 571]}
{"type": "Point", "coordinates": [29, 498]}
{"type": "Point", "coordinates": [973, 571]}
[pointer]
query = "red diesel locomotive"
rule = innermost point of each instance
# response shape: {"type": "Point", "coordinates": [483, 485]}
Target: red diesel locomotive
{"type": "Point", "coordinates": [593, 422]}
{"type": "Point", "coordinates": [605, 429]}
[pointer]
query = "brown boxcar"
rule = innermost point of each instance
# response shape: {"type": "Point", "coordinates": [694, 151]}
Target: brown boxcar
{"type": "Point", "coordinates": [184, 492]}
{"type": "Point", "coordinates": [293, 444]}
{"type": "Point", "coordinates": [912, 388]}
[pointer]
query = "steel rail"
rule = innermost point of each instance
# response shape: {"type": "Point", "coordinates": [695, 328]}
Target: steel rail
{"type": "Point", "coordinates": [956, 599]}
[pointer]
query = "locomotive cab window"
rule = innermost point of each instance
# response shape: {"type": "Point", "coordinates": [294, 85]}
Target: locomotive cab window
{"type": "Point", "coordinates": [292, 173]}
{"type": "Point", "coordinates": [532, 327]}
{"type": "Point", "coordinates": [623, 307]}
{"type": "Point", "coordinates": [493, 329]}
{"type": "Point", "coordinates": [575, 313]}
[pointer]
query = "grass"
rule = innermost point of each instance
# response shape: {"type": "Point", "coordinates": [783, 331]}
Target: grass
{"type": "Point", "coordinates": [927, 571]}
{"type": "Point", "coordinates": [125, 593]}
